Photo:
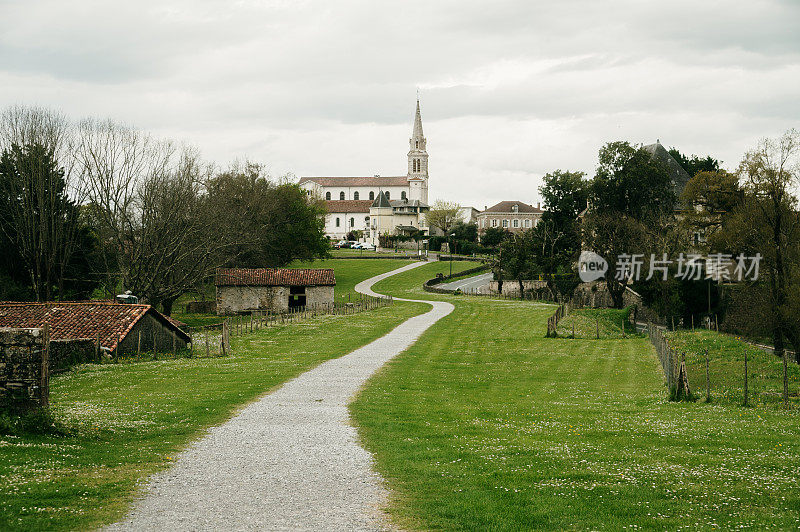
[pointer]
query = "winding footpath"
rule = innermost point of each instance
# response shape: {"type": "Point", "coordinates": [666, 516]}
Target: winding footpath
{"type": "Point", "coordinates": [289, 461]}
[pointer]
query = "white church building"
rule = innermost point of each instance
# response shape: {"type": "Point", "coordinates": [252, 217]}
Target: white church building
{"type": "Point", "coordinates": [377, 205]}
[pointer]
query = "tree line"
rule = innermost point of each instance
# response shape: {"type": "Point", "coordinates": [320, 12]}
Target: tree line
{"type": "Point", "coordinates": [91, 208]}
{"type": "Point", "coordinates": [635, 203]}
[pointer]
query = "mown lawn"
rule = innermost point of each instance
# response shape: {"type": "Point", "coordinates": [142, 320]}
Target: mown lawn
{"type": "Point", "coordinates": [726, 369]}
{"type": "Point", "coordinates": [591, 323]}
{"type": "Point", "coordinates": [129, 420]}
{"type": "Point", "coordinates": [484, 424]}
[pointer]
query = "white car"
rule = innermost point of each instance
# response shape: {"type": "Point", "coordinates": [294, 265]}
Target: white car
{"type": "Point", "coordinates": [367, 246]}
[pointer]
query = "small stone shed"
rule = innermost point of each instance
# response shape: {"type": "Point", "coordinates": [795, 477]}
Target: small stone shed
{"type": "Point", "coordinates": [241, 290]}
{"type": "Point", "coordinates": [118, 325]}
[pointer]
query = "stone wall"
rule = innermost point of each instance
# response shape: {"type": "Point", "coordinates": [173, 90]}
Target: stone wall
{"type": "Point", "coordinates": [511, 287]}
{"type": "Point", "coordinates": [319, 295]}
{"type": "Point", "coordinates": [24, 374]}
{"type": "Point", "coordinates": [242, 299]}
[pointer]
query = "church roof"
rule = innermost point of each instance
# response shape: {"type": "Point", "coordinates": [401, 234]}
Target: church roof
{"type": "Point", "coordinates": [381, 200]}
{"type": "Point", "coordinates": [505, 206]}
{"type": "Point", "coordinates": [348, 205]}
{"type": "Point", "coordinates": [677, 174]}
{"type": "Point", "coordinates": [344, 181]}
{"type": "Point", "coordinates": [407, 203]}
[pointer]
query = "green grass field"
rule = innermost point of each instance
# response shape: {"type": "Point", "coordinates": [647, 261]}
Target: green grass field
{"type": "Point", "coordinates": [726, 369]}
{"type": "Point", "coordinates": [129, 420]}
{"type": "Point", "coordinates": [484, 424]}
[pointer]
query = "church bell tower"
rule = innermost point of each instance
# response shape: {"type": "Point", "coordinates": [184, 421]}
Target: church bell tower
{"type": "Point", "coordinates": [418, 162]}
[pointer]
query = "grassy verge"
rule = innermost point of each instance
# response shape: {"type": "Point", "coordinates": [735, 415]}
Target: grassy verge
{"type": "Point", "coordinates": [484, 424]}
{"type": "Point", "coordinates": [349, 272]}
{"type": "Point", "coordinates": [586, 323]}
{"type": "Point", "coordinates": [726, 369]}
{"type": "Point", "coordinates": [127, 421]}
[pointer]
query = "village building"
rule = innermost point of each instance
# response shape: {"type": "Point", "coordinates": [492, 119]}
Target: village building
{"type": "Point", "coordinates": [513, 216]}
{"type": "Point", "coordinates": [120, 327]}
{"type": "Point", "coordinates": [244, 290]}
{"type": "Point", "coordinates": [350, 200]}
{"type": "Point", "coordinates": [468, 215]}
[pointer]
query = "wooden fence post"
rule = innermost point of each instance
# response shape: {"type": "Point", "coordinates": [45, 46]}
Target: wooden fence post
{"type": "Point", "coordinates": [208, 348]}
{"type": "Point", "coordinates": [174, 351]}
{"type": "Point", "coordinates": [44, 378]}
{"type": "Point", "coordinates": [785, 380]}
{"type": "Point", "coordinates": [97, 348]}
{"type": "Point", "coordinates": [597, 326]}
{"type": "Point", "coordinates": [139, 345]}
{"type": "Point", "coordinates": [745, 378]}
{"type": "Point", "coordinates": [708, 381]}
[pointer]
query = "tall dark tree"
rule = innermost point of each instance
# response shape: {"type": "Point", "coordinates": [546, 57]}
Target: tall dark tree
{"type": "Point", "coordinates": [40, 223]}
{"type": "Point", "coordinates": [695, 164]}
{"type": "Point", "coordinates": [273, 224]}
{"type": "Point", "coordinates": [632, 182]}
{"type": "Point", "coordinates": [565, 197]}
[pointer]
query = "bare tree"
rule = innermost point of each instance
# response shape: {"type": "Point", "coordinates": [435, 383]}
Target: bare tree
{"type": "Point", "coordinates": [771, 173]}
{"type": "Point", "coordinates": [148, 202]}
{"type": "Point", "coordinates": [443, 214]}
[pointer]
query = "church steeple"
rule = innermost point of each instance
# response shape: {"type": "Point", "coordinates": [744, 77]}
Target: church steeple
{"type": "Point", "coordinates": [417, 156]}
{"type": "Point", "coordinates": [418, 161]}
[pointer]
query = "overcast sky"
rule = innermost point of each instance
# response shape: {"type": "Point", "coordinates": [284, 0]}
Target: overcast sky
{"type": "Point", "coordinates": [510, 90]}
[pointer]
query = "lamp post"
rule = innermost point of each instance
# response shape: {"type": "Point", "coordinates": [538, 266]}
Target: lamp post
{"type": "Point", "coordinates": [452, 235]}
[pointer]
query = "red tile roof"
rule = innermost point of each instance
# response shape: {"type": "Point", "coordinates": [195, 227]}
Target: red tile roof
{"type": "Point", "coordinates": [274, 277]}
{"type": "Point", "coordinates": [84, 319]}
{"type": "Point", "coordinates": [505, 207]}
{"type": "Point", "coordinates": [330, 181]}
{"type": "Point", "coordinates": [347, 206]}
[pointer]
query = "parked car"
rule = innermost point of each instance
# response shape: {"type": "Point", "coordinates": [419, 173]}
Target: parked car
{"type": "Point", "coordinates": [367, 246]}
{"type": "Point", "coordinates": [342, 244]}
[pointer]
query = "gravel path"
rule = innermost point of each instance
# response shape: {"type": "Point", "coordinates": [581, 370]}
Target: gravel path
{"type": "Point", "coordinates": [290, 460]}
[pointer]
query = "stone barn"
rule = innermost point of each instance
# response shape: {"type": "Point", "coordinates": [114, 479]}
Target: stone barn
{"type": "Point", "coordinates": [241, 290]}
{"type": "Point", "coordinates": [118, 325]}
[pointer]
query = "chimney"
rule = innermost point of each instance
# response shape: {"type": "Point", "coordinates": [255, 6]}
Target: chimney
{"type": "Point", "coordinates": [485, 207]}
{"type": "Point", "coordinates": [538, 205]}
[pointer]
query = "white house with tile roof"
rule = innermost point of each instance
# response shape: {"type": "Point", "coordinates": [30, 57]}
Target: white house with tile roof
{"type": "Point", "coordinates": [349, 200]}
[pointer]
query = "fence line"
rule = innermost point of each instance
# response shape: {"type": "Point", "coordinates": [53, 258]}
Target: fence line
{"type": "Point", "coordinates": [242, 324]}
{"type": "Point", "coordinates": [552, 322]}
{"type": "Point", "coordinates": [672, 362]}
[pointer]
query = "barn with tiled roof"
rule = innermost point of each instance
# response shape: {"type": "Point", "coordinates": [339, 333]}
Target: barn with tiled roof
{"type": "Point", "coordinates": [118, 326]}
{"type": "Point", "coordinates": [243, 290]}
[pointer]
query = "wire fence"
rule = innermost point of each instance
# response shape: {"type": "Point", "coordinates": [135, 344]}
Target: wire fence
{"type": "Point", "coordinates": [672, 362]}
{"type": "Point", "coordinates": [214, 340]}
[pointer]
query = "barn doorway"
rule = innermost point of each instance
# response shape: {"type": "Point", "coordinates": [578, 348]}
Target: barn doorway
{"type": "Point", "coordinates": [297, 296]}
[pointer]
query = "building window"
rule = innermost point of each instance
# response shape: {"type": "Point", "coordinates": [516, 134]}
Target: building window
{"type": "Point", "coordinates": [387, 194]}
{"type": "Point", "coordinates": [341, 195]}
{"type": "Point", "coordinates": [403, 195]}
{"type": "Point", "coordinates": [372, 196]}
{"type": "Point", "coordinates": [327, 195]}
{"type": "Point", "coordinates": [355, 196]}
{"type": "Point", "coordinates": [516, 223]}
{"type": "Point", "coordinates": [366, 221]}
{"type": "Point", "coordinates": [494, 223]}
{"type": "Point", "coordinates": [505, 223]}
{"type": "Point", "coordinates": [352, 222]}
{"type": "Point", "coordinates": [337, 221]}
{"type": "Point", "coordinates": [528, 222]}
{"type": "Point", "coordinates": [515, 208]}
{"type": "Point", "coordinates": [416, 144]}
